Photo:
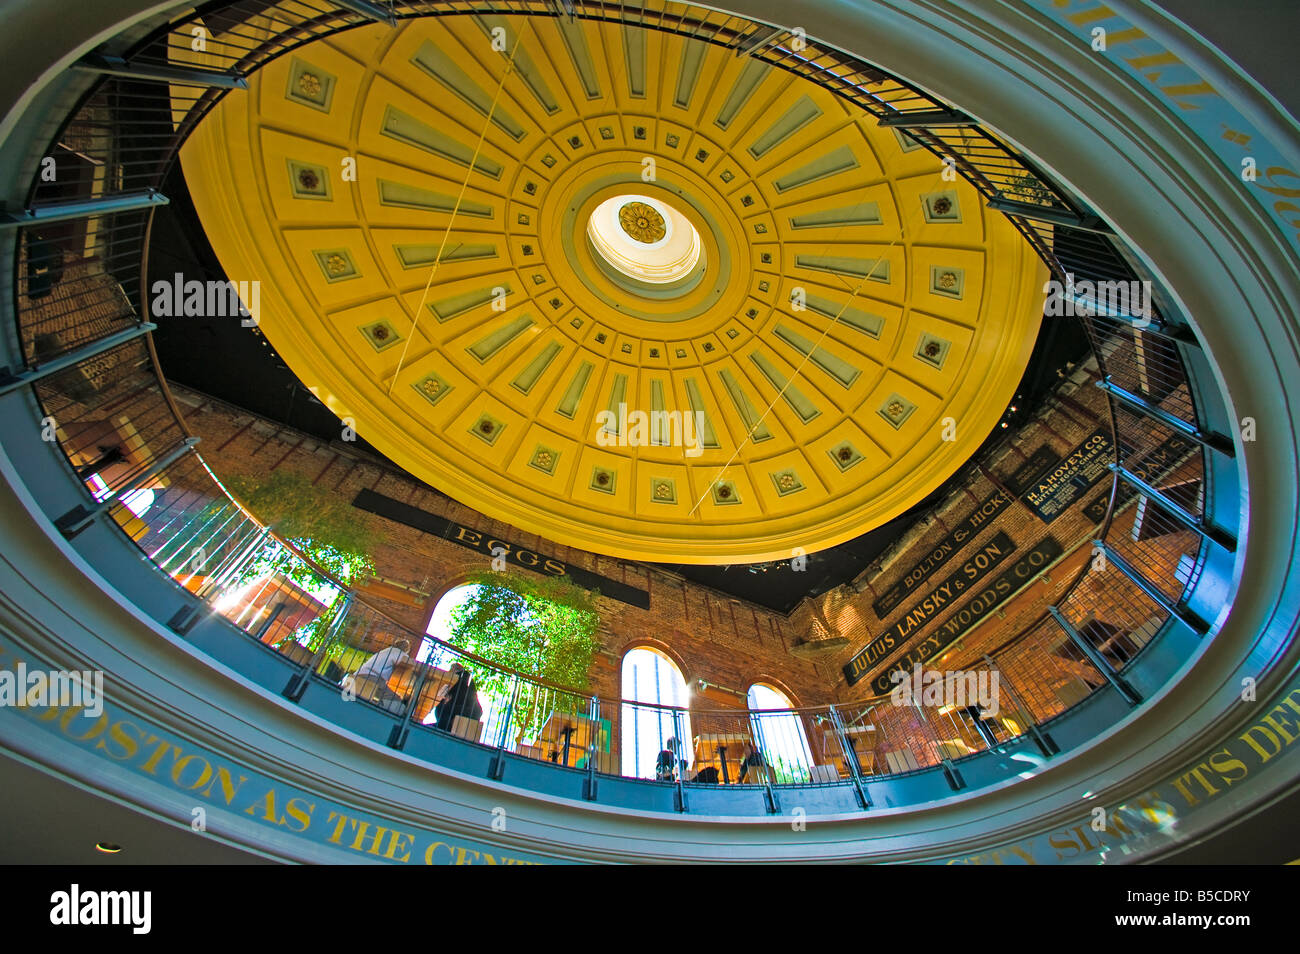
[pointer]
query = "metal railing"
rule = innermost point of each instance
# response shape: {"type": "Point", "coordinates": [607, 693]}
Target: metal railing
{"type": "Point", "coordinates": [82, 324]}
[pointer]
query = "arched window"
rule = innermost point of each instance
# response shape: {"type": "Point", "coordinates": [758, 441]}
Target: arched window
{"type": "Point", "coordinates": [779, 734]}
{"type": "Point", "coordinates": [651, 680]}
{"type": "Point", "coordinates": [494, 709]}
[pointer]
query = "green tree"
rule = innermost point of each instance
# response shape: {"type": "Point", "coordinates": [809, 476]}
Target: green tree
{"type": "Point", "coordinates": [327, 529]}
{"type": "Point", "coordinates": [540, 626]}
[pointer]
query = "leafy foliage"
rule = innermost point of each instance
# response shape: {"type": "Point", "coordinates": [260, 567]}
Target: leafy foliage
{"type": "Point", "coordinates": [540, 626]}
{"type": "Point", "coordinates": [299, 510]}
{"type": "Point", "coordinates": [319, 525]}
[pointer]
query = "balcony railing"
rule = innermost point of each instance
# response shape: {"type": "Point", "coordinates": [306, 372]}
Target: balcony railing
{"type": "Point", "coordinates": [83, 330]}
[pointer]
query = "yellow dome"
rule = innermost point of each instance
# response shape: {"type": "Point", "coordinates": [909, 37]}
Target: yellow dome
{"type": "Point", "coordinates": [798, 330]}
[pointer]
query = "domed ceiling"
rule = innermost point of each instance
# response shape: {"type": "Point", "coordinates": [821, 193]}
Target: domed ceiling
{"type": "Point", "coordinates": [618, 287]}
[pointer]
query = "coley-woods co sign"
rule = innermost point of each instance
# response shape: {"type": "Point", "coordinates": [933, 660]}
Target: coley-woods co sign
{"type": "Point", "coordinates": [935, 602]}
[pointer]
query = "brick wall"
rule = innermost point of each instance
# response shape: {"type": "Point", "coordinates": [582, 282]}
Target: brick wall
{"type": "Point", "coordinates": [726, 642]}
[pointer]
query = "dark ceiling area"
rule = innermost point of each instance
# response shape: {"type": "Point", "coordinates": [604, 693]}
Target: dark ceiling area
{"type": "Point", "coordinates": [219, 357]}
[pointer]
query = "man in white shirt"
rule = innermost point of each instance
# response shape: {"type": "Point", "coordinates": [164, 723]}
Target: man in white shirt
{"type": "Point", "coordinates": [370, 681]}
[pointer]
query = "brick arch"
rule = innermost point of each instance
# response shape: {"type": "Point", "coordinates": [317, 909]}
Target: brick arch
{"type": "Point", "coordinates": [659, 646]}
{"type": "Point", "coordinates": [772, 682]}
{"type": "Point", "coordinates": [452, 581]}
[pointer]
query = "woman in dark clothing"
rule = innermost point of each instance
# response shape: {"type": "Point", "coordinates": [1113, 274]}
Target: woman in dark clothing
{"type": "Point", "coordinates": [753, 760]}
{"type": "Point", "coordinates": [459, 698]}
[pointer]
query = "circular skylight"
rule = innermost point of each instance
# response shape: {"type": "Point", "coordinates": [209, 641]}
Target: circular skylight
{"type": "Point", "coordinates": [645, 239]}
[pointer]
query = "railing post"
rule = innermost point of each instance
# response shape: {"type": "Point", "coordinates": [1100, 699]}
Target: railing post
{"type": "Point", "coordinates": [1198, 526]}
{"type": "Point", "coordinates": [1186, 616]}
{"type": "Point", "coordinates": [80, 517]}
{"type": "Point", "coordinates": [951, 774]}
{"type": "Point", "coordinates": [1045, 743]}
{"type": "Point", "coordinates": [1027, 210]}
{"type": "Point", "coordinates": [397, 737]}
{"type": "Point", "coordinates": [769, 773]}
{"type": "Point", "coordinates": [369, 10]}
{"type": "Point", "coordinates": [1102, 664]}
{"type": "Point", "coordinates": [12, 381]}
{"type": "Point", "coordinates": [1217, 442]}
{"type": "Point", "coordinates": [298, 682]}
{"type": "Point", "coordinates": [593, 713]}
{"type": "Point", "coordinates": [276, 610]}
{"type": "Point", "coordinates": [498, 765]}
{"type": "Point", "coordinates": [678, 761]}
{"type": "Point", "coordinates": [850, 757]}
{"type": "Point", "coordinates": [83, 208]}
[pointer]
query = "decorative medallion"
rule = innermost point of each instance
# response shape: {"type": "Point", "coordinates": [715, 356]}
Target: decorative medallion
{"type": "Point", "coordinates": [544, 459]}
{"type": "Point", "coordinates": [336, 263]}
{"type": "Point", "coordinates": [787, 482]}
{"type": "Point", "coordinates": [308, 181]}
{"type": "Point", "coordinates": [932, 350]}
{"type": "Point", "coordinates": [381, 335]}
{"type": "Point", "coordinates": [664, 491]}
{"type": "Point", "coordinates": [642, 222]}
{"type": "Point", "coordinates": [845, 455]}
{"type": "Point", "coordinates": [487, 429]}
{"type": "Point", "coordinates": [896, 410]}
{"type": "Point", "coordinates": [948, 282]}
{"type": "Point", "coordinates": [941, 207]}
{"type": "Point", "coordinates": [310, 85]}
{"type": "Point", "coordinates": [602, 479]}
{"type": "Point", "coordinates": [432, 388]}
{"type": "Point", "coordinates": [724, 493]}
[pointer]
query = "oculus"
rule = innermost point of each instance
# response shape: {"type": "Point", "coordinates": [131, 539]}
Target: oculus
{"type": "Point", "coordinates": [645, 240]}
